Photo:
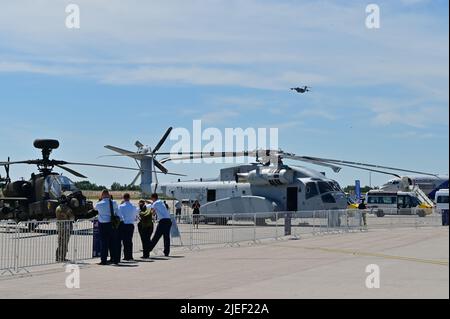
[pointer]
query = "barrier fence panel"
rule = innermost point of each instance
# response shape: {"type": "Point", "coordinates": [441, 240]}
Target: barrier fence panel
{"type": "Point", "coordinates": [244, 226]}
{"type": "Point", "coordinates": [400, 218]}
{"type": "Point", "coordinates": [212, 229]}
{"type": "Point", "coordinates": [355, 220]}
{"type": "Point", "coordinates": [269, 229]}
{"type": "Point", "coordinates": [81, 241]}
{"type": "Point", "coordinates": [303, 224]}
{"type": "Point", "coordinates": [37, 243]}
{"type": "Point", "coordinates": [29, 244]}
{"type": "Point", "coordinates": [8, 248]}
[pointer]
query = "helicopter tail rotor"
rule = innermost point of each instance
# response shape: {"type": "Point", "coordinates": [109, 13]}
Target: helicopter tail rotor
{"type": "Point", "coordinates": [7, 167]}
{"type": "Point", "coordinates": [140, 156]}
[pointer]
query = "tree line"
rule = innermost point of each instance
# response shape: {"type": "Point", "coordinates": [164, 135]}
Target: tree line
{"type": "Point", "coordinates": [88, 186]}
{"type": "Point", "coordinates": [351, 189]}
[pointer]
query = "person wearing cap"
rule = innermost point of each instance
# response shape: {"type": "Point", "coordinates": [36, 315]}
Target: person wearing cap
{"type": "Point", "coordinates": [64, 226]}
{"type": "Point", "coordinates": [164, 224]}
{"type": "Point", "coordinates": [128, 213]}
{"type": "Point", "coordinates": [110, 239]}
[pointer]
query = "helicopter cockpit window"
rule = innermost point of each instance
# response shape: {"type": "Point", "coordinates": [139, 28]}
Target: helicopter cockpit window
{"type": "Point", "coordinates": [56, 185]}
{"type": "Point", "coordinates": [335, 187]}
{"type": "Point", "coordinates": [328, 198]}
{"type": "Point", "coordinates": [325, 187]}
{"type": "Point", "coordinates": [415, 202]}
{"type": "Point", "coordinates": [311, 190]}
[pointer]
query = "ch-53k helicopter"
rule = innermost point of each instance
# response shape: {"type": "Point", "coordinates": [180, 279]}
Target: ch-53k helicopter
{"type": "Point", "coordinates": [38, 198]}
{"type": "Point", "coordinates": [263, 187]}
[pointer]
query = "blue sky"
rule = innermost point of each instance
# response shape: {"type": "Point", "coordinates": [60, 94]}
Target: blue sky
{"type": "Point", "coordinates": [135, 68]}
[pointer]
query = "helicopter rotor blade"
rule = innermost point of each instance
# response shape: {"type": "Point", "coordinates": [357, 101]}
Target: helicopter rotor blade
{"type": "Point", "coordinates": [160, 166]}
{"type": "Point", "coordinates": [100, 165]}
{"type": "Point", "coordinates": [157, 182]}
{"type": "Point", "coordinates": [7, 169]}
{"type": "Point", "coordinates": [342, 162]}
{"type": "Point", "coordinates": [131, 154]}
{"type": "Point", "coordinates": [20, 162]}
{"type": "Point", "coordinates": [137, 163]}
{"type": "Point", "coordinates": [197, 155]}
{"type": "Point", "coordinates": [71, 171]}
{"type": "Point", "coordinates": [135, 179]}
{"type": "Point", "coordinates": [123, 152]}
{"type": "Point", "coordinates": [335, 168]}
{"type": "Point", "coordinates": [163, 140]}
{"type": "Point", "coordinates": [371, 170]}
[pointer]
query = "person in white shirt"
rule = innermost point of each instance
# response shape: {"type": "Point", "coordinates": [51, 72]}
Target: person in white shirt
{"type": "Point", "coordinates": [110, 238]}
{"type": "Point", "coordinates": [164, 224]}
{"type": "Point", "coordinates": [128, 213]}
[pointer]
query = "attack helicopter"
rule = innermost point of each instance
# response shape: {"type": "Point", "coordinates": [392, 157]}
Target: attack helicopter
{"type": "Point", "coordinates": [38, 197]}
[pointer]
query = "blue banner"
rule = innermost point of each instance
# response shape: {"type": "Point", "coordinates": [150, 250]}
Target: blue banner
{"type": "Point", "coordinates": [358, 190]}
{"type": "Point", "coordinates": [97, 244]}
{"type": "Point", "coordinates": [174, 231]}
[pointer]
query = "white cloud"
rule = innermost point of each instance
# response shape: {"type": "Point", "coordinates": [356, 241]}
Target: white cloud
{"type": "Point", "coordinates": [412, 2]}
{"type": "Point", "coordinates": [268, 45]}
{"type": "Point", "coordinates": [213, 118]}
{"type": "Point", "coordinates": [414, 113]}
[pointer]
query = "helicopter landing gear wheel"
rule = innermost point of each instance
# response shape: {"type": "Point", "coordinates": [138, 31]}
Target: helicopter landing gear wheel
{"type": "Point", "coordinates": [380, 213]}
{"type": "Point", "coordinates": [261, 222]}
{"type": "Point", "coordinates": [221, 221]}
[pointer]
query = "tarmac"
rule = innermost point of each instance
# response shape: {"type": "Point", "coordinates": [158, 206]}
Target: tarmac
{"type": "Point", "coordinates": [413, 263]}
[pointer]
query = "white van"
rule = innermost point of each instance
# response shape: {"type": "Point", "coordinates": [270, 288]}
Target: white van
{"type": "Point", "coordinates": [383, 203]}
{"type": "Point", "coordinates": [442, 201]}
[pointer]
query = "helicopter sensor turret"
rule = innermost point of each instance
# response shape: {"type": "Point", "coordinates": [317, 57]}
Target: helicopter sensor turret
{"type": "Point", "coordinates": [46, 144]}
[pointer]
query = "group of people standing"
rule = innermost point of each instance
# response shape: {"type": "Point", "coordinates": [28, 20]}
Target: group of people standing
{"type": "Point", "coordinates": [117, 226]}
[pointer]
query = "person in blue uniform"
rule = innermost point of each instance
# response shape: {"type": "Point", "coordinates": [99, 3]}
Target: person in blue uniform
{"type": "Point", "coordinates": [110, 239]}
{"type": "Point", "coordinates": [128, 213]}
{"type": "Point", "coordinates": [164, 224]}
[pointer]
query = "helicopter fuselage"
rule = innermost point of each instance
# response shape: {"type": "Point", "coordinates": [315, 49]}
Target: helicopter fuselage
{"type": "Point", "coordinates": [38, 198]}
{"type": "Point", "coordinates": [260, 189]}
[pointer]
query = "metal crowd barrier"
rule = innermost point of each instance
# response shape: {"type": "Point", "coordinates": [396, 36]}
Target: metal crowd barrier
{"type": "Point", "coordinates": [28, 244]}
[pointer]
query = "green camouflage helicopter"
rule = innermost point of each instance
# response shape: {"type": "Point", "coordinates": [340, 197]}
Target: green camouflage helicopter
{"type": "Point", "coordinates": [38, 198]}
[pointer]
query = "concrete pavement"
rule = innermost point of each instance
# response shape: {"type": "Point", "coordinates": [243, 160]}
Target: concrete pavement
{"type": "Point", "coordinates": [413, 264]}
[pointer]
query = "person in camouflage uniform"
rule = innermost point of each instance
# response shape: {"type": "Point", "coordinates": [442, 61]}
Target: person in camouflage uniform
{"type": "Point", "coordinates": [145, 228]}
{"type": "Point", "coordinates": [64, 226]}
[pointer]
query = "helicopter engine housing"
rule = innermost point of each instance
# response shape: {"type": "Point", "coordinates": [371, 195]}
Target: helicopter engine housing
{"type": "Point", "coordinates": [18, 189]}
{"type": "Point", "coordinates": [268, 176]}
